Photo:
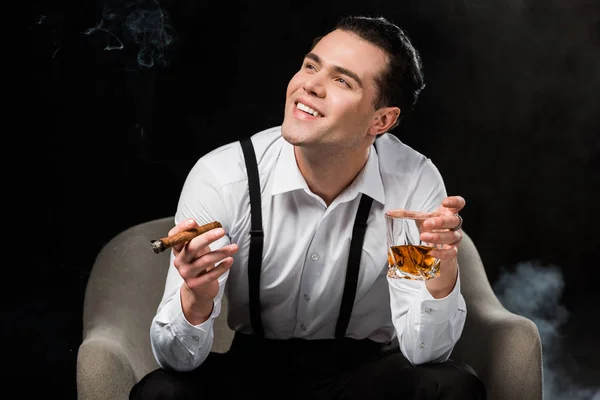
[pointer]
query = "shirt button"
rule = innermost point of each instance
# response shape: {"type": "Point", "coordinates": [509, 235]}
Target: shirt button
{"type": "Point", "coordinates": [428, 310]}
{"type": "Point", "coordinates": [422, 345]}
{"type": "Point", "coordinates": [303, 327]}
{"type": "Point", "coordinates": [314, 256]}
{"type": "Point", "coordinates": [306, 297]}
{"type": "Point", "coordinates": [195, 338]}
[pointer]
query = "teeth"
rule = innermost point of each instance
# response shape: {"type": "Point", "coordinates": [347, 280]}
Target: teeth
{"type": "Point", "coordinates": [307, 109]}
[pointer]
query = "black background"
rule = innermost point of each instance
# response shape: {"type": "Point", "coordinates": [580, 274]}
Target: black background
{"type": "Point", "coordinates": [510, 116]}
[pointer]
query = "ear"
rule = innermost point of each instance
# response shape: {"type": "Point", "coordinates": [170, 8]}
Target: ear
{"type": "Point", "coordinates": [384, 118]}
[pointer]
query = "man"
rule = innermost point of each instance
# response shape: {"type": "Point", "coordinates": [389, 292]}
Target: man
{"type": "Point", "coordinates": [302, 253]}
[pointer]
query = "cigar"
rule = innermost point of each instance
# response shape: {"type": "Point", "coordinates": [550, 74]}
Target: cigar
{"type": "Point", "coordinates": [161, 245]}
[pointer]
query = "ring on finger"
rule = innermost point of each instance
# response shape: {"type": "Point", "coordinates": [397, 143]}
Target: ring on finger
{"type": "Point", "coordinates": [460, 223]}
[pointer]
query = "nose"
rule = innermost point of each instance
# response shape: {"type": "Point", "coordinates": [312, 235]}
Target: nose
{"type": "Point", "coordinates": [314, 85]}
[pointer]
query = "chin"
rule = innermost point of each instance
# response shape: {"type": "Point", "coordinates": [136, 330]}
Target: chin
{"type": "Point", "coordinates": [300, 133]}
{"type": "Point", "coordinates": [290, 134]}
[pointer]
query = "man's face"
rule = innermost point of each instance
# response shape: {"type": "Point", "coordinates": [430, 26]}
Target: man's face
{"type": "Point", "coordinates": [329, 101]}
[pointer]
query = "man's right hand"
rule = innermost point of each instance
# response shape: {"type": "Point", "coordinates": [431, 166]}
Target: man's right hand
{"type": "Point", "coordinates": [196, 264]}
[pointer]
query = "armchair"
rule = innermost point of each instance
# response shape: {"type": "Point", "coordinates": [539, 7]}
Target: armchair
{"type": "Point", "coordinates": [126, 285]}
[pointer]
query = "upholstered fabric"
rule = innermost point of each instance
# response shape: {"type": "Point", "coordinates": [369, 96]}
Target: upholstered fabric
{"type": "Point", "coordinates": [126, 285]}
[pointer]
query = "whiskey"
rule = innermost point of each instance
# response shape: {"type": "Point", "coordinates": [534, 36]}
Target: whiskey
{"type": "Point", "coordinates": [412, 262]}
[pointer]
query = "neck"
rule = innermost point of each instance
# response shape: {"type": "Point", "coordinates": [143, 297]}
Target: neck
{"type": "Point", "coordinates": [329, 173]}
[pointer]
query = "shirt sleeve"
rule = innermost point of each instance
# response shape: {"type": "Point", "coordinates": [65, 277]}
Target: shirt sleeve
{"type": "Point", "coordinates": [177, 344]}
{"type": "Point", "coordinates": [427, 328]}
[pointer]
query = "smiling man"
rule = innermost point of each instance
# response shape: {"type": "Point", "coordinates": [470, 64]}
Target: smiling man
{"type": "Point", "coordinates": [302, 255]}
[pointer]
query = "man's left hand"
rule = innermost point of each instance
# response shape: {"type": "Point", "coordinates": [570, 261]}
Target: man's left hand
{"type": "Point", "coordinates": [444, 231]}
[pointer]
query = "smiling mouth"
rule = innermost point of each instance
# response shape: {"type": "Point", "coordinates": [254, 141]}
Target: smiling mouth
{"type": "Point", "coordinates": [308, 110]}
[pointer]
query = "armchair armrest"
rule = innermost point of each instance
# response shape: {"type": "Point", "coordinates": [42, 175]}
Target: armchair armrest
{"type": "Point", "coordinates": [122, 293]}
{"type": "Point", "coordinates": [104, 369]}
{"type": "Point", "coordinates": [504, 348]}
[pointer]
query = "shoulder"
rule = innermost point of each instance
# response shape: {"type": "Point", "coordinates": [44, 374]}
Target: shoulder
{"type": "Point", "coordinates": [216, 186]}
{"type": "Point", "coordinates": [410, 178]}
{"type": "Point", "coordinates": [396, 156]}
{"type": "Point", "coordinates": [226, 165]}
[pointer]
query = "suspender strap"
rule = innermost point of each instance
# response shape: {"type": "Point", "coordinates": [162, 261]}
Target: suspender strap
{"type": "Point", "coordinates": [256, 237]}
{"type": "Point", "coordinates": [257, 241]}
{"type": "Point", "coordinates": [358, 235]}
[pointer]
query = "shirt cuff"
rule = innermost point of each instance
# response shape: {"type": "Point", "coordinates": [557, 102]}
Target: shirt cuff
{"type": "Point", "coordinates": [439, 310]}
{"type": "Point", "coordinates": [191, 336]}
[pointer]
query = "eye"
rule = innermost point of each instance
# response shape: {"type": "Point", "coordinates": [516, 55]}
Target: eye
{"type": "Point", "coordinates": [343, 82]}
{"type": "Point", "coordinates": [309, 66]}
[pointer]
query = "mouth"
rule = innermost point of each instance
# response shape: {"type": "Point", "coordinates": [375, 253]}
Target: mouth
{"type": "Point", "coordinates": [308, 110]}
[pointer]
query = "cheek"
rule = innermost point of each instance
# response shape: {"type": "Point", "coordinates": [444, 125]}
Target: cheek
{"type": "Point", "coordinates": [293, 84]}
{"type": "Point", "coordinates": [353, 115]}
{"type": "Point", "coordinates": [349, 109]}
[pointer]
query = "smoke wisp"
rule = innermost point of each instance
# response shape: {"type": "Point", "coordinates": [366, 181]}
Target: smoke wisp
{"type": "Point", "coordinates": [141, 24]}
{"type": "Point", "coordinates": [534, 291]}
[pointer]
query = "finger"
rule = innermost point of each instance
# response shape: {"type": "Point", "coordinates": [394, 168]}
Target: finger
{"type": "Point", "coordinates": [441, 222]}
{"type": "Point", "coordinates": [446, 253]}
{"type": "Point", "coordinates": [211, 275]}
{"type": "Point", "coordinates": [454, 203]}
{"type": "Point", "coordinates": [200, 244]}
{"type": "Point", "coordinates": [205, 239]}
{"type": "Point", "coordinates": [184, 225]}
{"type": "Point", "coordinates": [188, 269]}
{"type": "Point", "coordinates": [217, 270]}
{"type": "Point", "coordinates": [442, 238]}
{"type": "Point", "coordinates": [208, 260]}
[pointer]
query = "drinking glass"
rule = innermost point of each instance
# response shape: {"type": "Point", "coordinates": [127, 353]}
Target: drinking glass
{"type": "Point", "coordinates": [408, 256]}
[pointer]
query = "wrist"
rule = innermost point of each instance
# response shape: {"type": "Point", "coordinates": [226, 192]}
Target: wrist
{"type": "Point", "coordinates": [443, 285]}
{"type": "Point", "coordinates": [195, 309]}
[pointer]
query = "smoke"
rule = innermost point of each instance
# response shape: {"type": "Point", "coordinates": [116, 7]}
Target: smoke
{"type": "Point", "coordinates": [140, 24]}
{"type": "Point", "coordinates": [534, 291]}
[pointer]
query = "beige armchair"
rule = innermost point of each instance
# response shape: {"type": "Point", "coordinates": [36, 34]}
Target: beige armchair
{"type": "Point", "coordinates": [126, 285]}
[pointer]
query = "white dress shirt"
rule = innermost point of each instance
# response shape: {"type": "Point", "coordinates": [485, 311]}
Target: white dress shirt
{"type": "Point", "coordinates": [305, 254]}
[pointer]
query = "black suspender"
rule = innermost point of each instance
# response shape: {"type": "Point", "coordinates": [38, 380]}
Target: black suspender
{"type": "Point", "coordinates": [256, 237]}
{"type": "Point", "coordinates": [256, 249]}
{"type": "Point", "coordinates": [358, 235]}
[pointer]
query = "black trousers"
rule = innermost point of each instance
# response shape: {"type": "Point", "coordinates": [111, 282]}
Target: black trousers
{"type": "Point", "coordinates": [256, 368]}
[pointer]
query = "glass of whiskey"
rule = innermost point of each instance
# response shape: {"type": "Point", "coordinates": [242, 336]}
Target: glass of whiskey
{"type": "Point", "coordinates": [408, 256]}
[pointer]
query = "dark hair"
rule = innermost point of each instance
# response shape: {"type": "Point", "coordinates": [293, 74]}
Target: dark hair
{"type": "Point", "coordinates": [401, 81]}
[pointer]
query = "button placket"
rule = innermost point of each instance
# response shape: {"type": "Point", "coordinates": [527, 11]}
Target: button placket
{"type": "Point", "coordinates": [311, 272]}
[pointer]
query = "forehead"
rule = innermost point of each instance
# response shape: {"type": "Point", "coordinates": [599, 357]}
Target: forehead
{"type": "Point", "coordinates": [347, 50]}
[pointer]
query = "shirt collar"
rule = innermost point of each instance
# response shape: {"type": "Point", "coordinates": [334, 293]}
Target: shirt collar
{"type": "Point", "coordinates": [288, 176]}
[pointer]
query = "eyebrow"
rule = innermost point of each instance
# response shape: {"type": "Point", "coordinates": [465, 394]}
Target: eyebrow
{"type": "Point", "coordinates": [337, 68]}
